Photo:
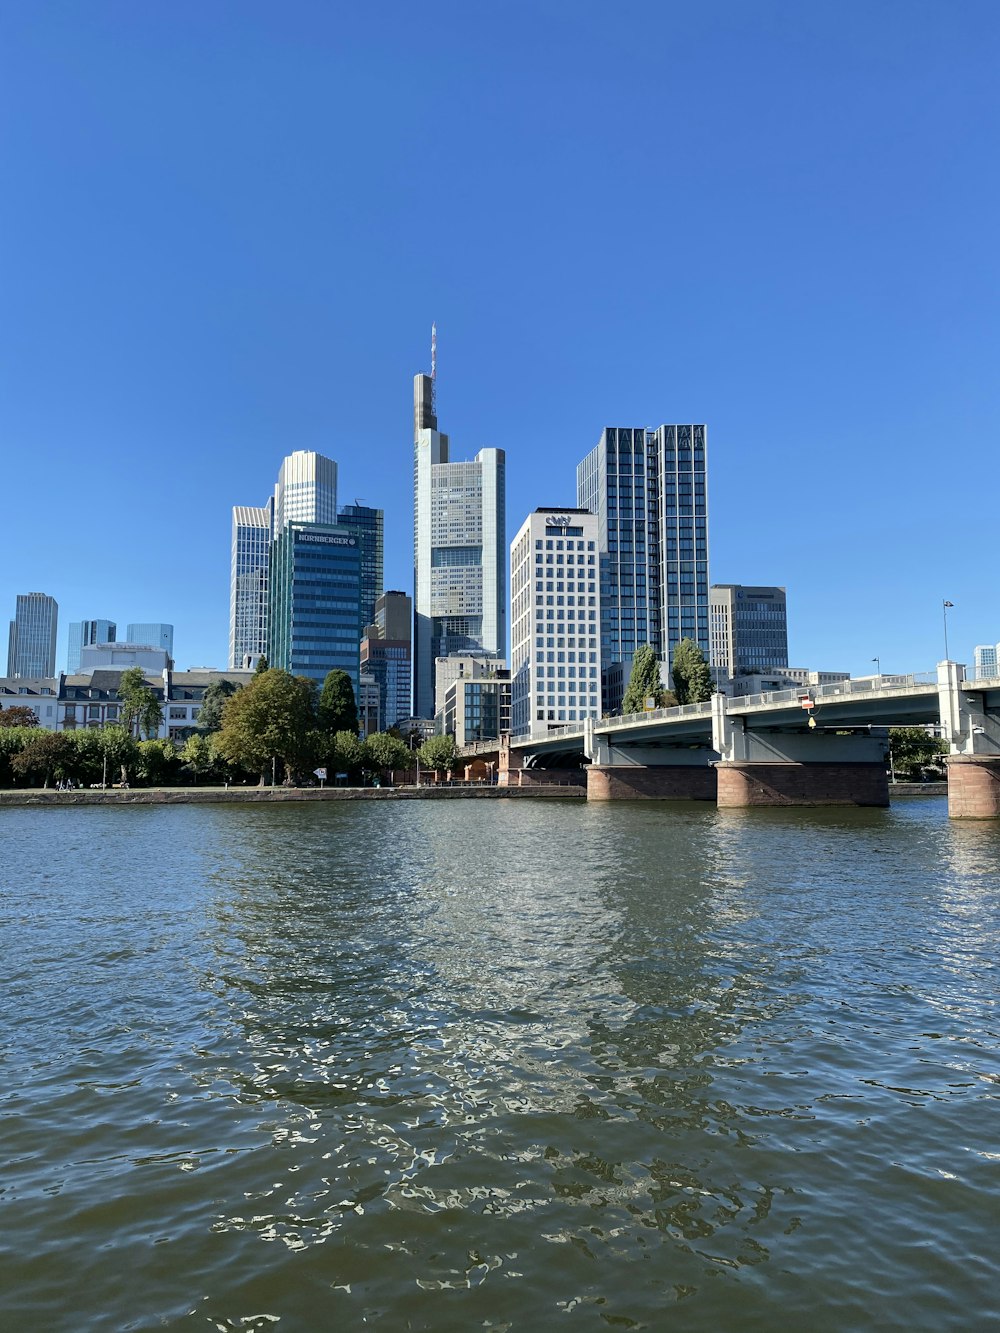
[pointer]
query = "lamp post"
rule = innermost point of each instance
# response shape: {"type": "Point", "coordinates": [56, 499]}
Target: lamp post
{"type": "Point", "coordinates": [878, 668]}
{"type": "Point", "coordinates": [944, 613]}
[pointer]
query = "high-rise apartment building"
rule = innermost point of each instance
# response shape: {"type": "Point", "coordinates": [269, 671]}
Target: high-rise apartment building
{"type": "Point", "coordinates": [314, 614]}
{"type": "Point", "coordinates": [368, 525]}
{"type": "Point", "coordinates": [253, 532]}
{"type": "Point", "coordinates": [459, 565]}
{"type": "Point", "coordinates": [31, 644]}
{"type": "Point", "coordinates": [84, 634]}
{"type": "Point", "coordinates": [385, 654]}
{"type": "Point", "coordinates": [649, 491]}
{"type": "Point", "coordinates": [153, 634]}
{"type": "Point", "coordinates": [748, 628]}
{"type": "Point", "coordinates": [555, 621]}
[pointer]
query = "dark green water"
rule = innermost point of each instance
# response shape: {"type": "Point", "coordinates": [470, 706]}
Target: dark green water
{"type": "Point", "coordinates": [498, 1065]}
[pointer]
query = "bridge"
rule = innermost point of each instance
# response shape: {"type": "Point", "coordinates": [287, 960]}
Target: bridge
{"type": "Point", "coordinates": [821, 745]}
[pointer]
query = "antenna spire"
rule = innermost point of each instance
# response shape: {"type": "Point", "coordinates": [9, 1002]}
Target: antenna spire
{"type": "Point", "coordinates": [434, 357]}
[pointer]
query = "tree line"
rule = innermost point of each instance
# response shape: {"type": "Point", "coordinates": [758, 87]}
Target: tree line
{"type": "Point", "coordinates": [278, 728]}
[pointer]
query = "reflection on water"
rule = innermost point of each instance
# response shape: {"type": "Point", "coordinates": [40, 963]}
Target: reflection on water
{"type": "Point", "coordinates": [444, 1066]}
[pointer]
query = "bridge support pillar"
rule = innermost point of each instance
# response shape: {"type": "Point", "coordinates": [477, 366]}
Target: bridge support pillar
{"type": "Point", "coordinates": [973, 786]}
{"type": "Point", "coordinates": [662, 782]}
{"type": "Point", "coordinates": [743, 783]}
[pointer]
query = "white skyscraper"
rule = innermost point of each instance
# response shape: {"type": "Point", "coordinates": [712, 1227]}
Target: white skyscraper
{"type": "Point", "coordinates": [555, 621]}
{"type": "Point", "coordinates": [306, 491]}
{"type": "Point", "coordinates": [459, 560]}
{"type": "Point", "coordinates": [251, 551]}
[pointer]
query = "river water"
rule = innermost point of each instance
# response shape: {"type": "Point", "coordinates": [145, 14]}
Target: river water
{"type": "Point", "coordinates": [499, 1065]}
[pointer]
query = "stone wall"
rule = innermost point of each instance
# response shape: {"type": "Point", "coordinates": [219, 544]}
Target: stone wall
{"type": "Point", "coordinates": [667, 782]}
{"type": "Point", "coordinates": [743, 784]}
{"type": "Point", "coordinates": [973, 786]}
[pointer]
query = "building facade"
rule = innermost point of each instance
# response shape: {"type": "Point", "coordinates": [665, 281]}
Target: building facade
{"type": "Point", "coordinates": [986, 661]}
{"type": "Point", "coordinates": [459, 565]}
{"type": "Point", "coordinates": [555, 620]}
{"type": "Point", "coordinates": [306, 491]}
{"type": "Point", "coordinates": [84, 633]}
{"type": "Point", "coordinates": [748, 628]}
{"type": "Point", "coordinates": [464, 666]}
{"type": "Point", "coordinates": [315, 601]}
{"type": "Point", "coordinates": [476, 710]}
{"type": "Point", "coordinates": [154, 635]}
{"type": "Point", "coordinates": [386, 655]}
{"type": "Point", "coordinates": [368, 526]}
{"type": "Point", "coordinates": [31, 643]}
{"type": "Point", "coordinates": [649, 491]}
{"type": "Point", "coordinates": [253, 532]}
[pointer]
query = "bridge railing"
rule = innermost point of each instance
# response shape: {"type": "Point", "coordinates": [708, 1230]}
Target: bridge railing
{"type": "Point", "coordinates": [630, 719]}
{"type": "Point", "coordinates": [837, 689]}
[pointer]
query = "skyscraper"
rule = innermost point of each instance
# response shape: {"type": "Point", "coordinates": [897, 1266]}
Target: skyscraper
{"type": "Point", "coordinates": [368, 525]}
{"type": "Point", "coordinates": [385, 654]}
{"type": "Point", "coordinates": [648, 489]}
{"type": "Point", "coordinates": [306, 491]}
{"type": "Point", "coordinates": [31, 645]}
{"type": "Point", "coordinates": [253, 531]}
{"type": "Point", "coordinates": [459, 561]}
{"type": "Point", "coordinates": [314, 615]}
{"type": "Point", "coordinates": [748, 628]}
{"type": "Point", "coordinates": [555, 635]}
{"type": "Point", "coordinates": [159, 636]}
{"type": "Point", "coordinates": [83, 634]}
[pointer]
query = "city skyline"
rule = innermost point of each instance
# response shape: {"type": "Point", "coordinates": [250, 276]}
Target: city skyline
{"type": "Point", "coordinates": [181, 324]}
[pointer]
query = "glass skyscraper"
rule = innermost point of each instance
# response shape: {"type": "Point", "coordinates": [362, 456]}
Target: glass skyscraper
{"type": "Point", "coordinates": [649, 490]}
{"type": "Point", "coordinates": [155, 634]}
{"type": "Point", "coordinates": [31, 644]}
{"type": "Point", "coordinates": [749, 628]}
{"type": "Point", "coordinates": [459, 560]}
{"type": "Point", "coordinates": [83, 633]}
{"type": "Point", "coordinates": [253, 531]}
{"type": "Point", "coordinates": [315, 601]}
{"type": "Point", "coordinates": [368, 526]}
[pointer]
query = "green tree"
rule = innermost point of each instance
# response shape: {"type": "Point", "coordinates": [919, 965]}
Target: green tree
{"type": "Point", "coordinates": [912, 750]}
{"type": "Point", "coordinates": [12, 742]}
{"type": "Point", "coordinates": [384, 753]}
{"type": "Point", "coordinates": [118, 746]}
{"type": "Point", "coordinates": [644, 683]}
{"type": "Point", "coordinates": [43, 756]}
{"type": "Point", "coordinates": [140, 709]}
{"type": "Point", "coordinates": [198, 757]}
{"type": "Point", "coordinates": [18, 716]}
{"type": "Point", "coordinates": [347, 754]}
{"type": "Point", "coordinates": [214, 701]}
{"type": "Point", "coordinates": [691, 674]}
{"type": "Point", "coordinates": [438, 753]}
{"type": "Point", "coordinates": [157, 761]}
{"type": "Point", "coordinates": [261, 666]}
{"type": "Point", "coordinates": [337, 709]}
{"type": "Point", "coordinates": [269, 719]}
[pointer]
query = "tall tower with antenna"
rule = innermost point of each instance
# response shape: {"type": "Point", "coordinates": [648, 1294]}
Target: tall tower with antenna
{"type": "Point", "coordinates": [434, 368]}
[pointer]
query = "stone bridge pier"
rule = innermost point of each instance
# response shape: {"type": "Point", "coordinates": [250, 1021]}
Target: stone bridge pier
{"type": "Point", "coordinates": [821, 767]}
{"type": "Point", "coordinates": [644, 772]}
{"type": "Point", "coordinates": [973, 735]}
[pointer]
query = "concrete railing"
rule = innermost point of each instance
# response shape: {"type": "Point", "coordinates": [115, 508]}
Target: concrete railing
{"type": "Point", "coordinates": [841, 689]}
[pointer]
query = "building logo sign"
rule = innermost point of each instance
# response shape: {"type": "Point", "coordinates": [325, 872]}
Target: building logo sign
{"type": "Point", "coordinates": [323, 539]}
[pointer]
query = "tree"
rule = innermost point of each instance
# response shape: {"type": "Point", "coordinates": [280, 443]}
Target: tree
{"type": "Point", "coordinates": [337, 709]}
{"type": "Point", "coordinates": [118, 746]}
{"type": "Point", "coordinates": [912, 749]}
{"type": "Point", "coordinates": [140, 709]}
{"type": "Point", "coordinates": [261, 666]}
{"type": "Point", "coordinates": [157, 761]}
{"type": "Point", "coordinates": [210, 713]}
{"type": "Point", "coordinates": [644, 683]}
{"type": "Point", "coordinates": [269, 719]}
{"type": "Point", "coordinates": [384, 753]}
{"type": "Point", "coordinates": [43, 756]}
{"type": "Point", "coordinates": [691, 674]}
{"type": "Point", "coordinates": [347, 754]}
{"type": "Point", "coordinates": [18, 716]}
{"type": "Point", "coordinates": [438, 753]}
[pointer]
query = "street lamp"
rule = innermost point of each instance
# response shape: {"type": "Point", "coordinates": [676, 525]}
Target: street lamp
{"type": "Point", "coordinates": [878, 667]}
{"type": "Point", "coordinates": [944, 612]}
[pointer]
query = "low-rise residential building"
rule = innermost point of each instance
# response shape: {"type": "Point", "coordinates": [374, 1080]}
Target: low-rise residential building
{"type": "Point", "coordinates": [39, 693]}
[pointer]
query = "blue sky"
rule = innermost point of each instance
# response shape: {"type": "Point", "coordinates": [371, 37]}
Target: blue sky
{"type": "Point", "coordinates": [225, 230]}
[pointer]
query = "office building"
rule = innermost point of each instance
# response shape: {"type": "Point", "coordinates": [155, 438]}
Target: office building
{"type": "Point", "coordinates": [649, 491]}
{"type": "Point", "coordinates": [463, 666]}
{"type": "Point", "coordinates": [476, 709]}
{"type": "Point", "coordinates": [83, 633]}
{"type": "Point", "coordinates": [748, 628]}
{"type": "Point", "coordinates": [385, 654]}
{"type": "Point", "coordinates": [153, 635]}
{"type": "Point", "coordinates": [253, 532]}
{"type": "Point", "coordinates": [986, 661]}
{"type": "Point", "coordinates": [31, 643]}
{"type": "Point", "coordinates": [367, 524]}
{"type": "Point", "coordinates": [369, 706]}
{"type": "Point", "coordinates": [459, 566]}
{"type": "Point", "coordinates": [314, 611]}
{"type": "Point", "coordinates": [306, 491]}
{"type": "Point", "coordinates": [555, 630]}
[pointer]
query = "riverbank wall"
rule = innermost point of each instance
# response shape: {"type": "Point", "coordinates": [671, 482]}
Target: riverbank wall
{"type": "Point", "coordinates": [276, 795]}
